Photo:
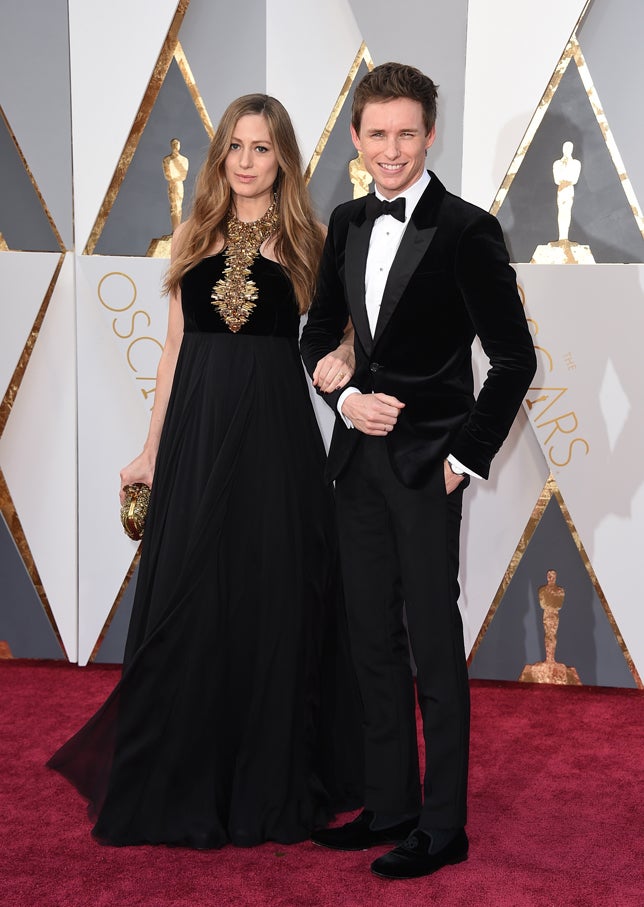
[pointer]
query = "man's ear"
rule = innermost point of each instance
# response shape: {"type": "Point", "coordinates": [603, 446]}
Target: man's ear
{"type": "Point", "coordinates": [429, 141]}
{"type": "Point", "coordinates": [355, 138]}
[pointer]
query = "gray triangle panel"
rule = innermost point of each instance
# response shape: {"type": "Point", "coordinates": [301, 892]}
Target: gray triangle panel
{"type": "Point", "coordinates": [585, 638]}
{"type": "Point", "coordinates": [610, 38]}
{"type": "Point", "coordinates": [113, 644]}
{"type": "Point", "coordinates": [141, 210]}
{"type": "Point", "coordinates": [24, 625]}
{"type": "Point", "coordinates": [601, 213]}
{"type": "Point", "coordinates": [23, 222]}
{"type": "Point", "coordinates": [331, 184]}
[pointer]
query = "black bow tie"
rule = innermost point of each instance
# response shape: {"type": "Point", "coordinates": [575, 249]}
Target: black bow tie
{"type": "Point", "coordinates": [375, 208]}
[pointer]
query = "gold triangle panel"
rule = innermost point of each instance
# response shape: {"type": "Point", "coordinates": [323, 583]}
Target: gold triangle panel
{"type": "Point", "coordinates": [550, 564]}
{"type": "Point", "coordinates": [162, 173]}
{"type": "Point", "coordinates": [156, 82]}
{"type": "Point", "coordinates": [362, 56]}
{"type": "Point", "coordinates": [189, 79]}
{"type": "Point", "coordinates": [567, 198]}
{"type": "Point", "coordinates": [336, 171]}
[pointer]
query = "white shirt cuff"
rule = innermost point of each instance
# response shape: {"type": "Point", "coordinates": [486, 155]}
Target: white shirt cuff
{"type": "Point", "coordinates": [343, 396]}
{"type": "Point", "coordinates": [459, 469]}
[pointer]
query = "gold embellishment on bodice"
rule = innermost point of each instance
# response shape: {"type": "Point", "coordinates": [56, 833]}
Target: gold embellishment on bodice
{"type": "Point", "coordinates": [234, 294]}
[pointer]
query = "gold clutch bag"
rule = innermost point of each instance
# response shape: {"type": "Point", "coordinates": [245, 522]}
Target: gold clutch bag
{"type": "Point", "coordinates": [134, 509]}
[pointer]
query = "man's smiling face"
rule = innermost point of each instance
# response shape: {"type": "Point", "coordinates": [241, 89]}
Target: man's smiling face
{"type": "Point", "coordinates": [393, 141]}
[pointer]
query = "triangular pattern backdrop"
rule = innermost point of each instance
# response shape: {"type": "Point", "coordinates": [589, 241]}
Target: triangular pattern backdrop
{"type": "Point", "coordinates": [90, 325]}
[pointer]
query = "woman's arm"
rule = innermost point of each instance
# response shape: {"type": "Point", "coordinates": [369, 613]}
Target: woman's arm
{"type": "Point", "coordinates": [334, 370]}
{"type": "Point", "coordinates": [141, 469]}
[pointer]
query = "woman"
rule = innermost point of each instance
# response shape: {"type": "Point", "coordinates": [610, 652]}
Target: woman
{"type": "Point", "coordinates": [236, 717]}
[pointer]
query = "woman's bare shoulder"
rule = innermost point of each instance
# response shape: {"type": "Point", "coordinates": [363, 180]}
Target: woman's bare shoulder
{"type": "Point", "coordinates": [178, 238]}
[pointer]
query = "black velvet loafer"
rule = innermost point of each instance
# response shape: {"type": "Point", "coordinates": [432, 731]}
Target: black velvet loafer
{"type": "Point", "coordinates": [412, 858]}
{"type": "Point", "coordinates": [357, 835]}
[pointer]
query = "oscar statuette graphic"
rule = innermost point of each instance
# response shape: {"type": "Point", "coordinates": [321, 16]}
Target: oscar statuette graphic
{"type": "Point", "coordinates": [565, 173]}
{"type": "Point", "coordinates": [359, 176]}
{"type": "Point", "coordinates": [175, 170]}
{"type": "Point", "coordinates": [551, 599]}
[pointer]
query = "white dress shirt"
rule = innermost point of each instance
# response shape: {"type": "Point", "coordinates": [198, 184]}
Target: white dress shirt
{"type": "Point", "coordinates": [385, 238]}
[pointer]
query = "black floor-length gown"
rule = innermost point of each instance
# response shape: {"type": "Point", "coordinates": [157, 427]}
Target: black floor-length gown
{"type": "Point", "coordinates": [236, 718]}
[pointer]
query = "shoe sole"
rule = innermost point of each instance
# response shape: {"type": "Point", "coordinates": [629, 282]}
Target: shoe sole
{"type": "Point", "coordinates": [390, 842]}
{"type": "Point", "coordinates": [393, 878]}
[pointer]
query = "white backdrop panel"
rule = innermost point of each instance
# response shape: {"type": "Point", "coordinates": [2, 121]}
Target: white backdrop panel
{"type": "Point", "coordinates": [495, 514]}
{"type": "Point", "coordinates": [113, 49]}
{"type": "Point", "coordinates": [24, 278]}
{"type": "Point", "coordinates": [431, 35]}
{"type": "Point", "coordinates": [308, 57]}
{"type": "Point", "coordinates": [38, 455]}
{"type": "Point", "coordinates": [121, 328]}
{"type": "Point", "coordinates": [237, 31]}
{"type": "Point", "coordinates": [587, 401]}
{"type": "Point", "coordinates": [512, 50]}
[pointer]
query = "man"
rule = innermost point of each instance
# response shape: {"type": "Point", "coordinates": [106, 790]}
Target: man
{"type": "Point", "coordinates": [418, 284]}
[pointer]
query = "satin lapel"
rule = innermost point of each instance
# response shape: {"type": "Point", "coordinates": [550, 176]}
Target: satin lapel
{"type": "Point", "coordinates": [355, 262]}
{"type": "Point", "coordinates": [415, 242]}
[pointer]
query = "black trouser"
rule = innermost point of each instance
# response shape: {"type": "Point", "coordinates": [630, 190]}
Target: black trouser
{"type": "Point", "coordinates": [400, 546]}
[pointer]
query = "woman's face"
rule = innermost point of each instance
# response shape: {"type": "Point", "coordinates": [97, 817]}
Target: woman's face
{"type": "Point", "coordinates": [251, 163]}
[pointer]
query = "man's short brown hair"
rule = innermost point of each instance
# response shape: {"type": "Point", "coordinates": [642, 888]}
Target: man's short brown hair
{"type": "Point", "coordinates": [395, 80]}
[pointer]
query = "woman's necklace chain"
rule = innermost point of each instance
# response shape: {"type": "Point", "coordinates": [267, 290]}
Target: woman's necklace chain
{"type": "Point", "coordinates": [235, 293]}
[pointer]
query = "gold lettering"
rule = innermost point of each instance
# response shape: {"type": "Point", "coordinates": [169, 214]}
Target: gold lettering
{"type": "Point", "coordinates": [540, 349]}
{"type": "Point", "coordinates": [147, 391]}
{"type": "Point", "coordinates": [117, 292]}
{"type": "Point", "coordinates": [116, 287]}
{"type": "Point", "coordinates": [538, 396]}
{"type": "Point", "coordinates": [132, 320]}
{"type": "Point", "coordinates": [570, 447]}
{"type": "Point", "coordinates": [557, 422]}
{"type": "Point", "coordinates": [134, 343]}
{"type": "Point", "coordinates": [544, 396]}
{"type": "Point", "coordinates": [533, 323]}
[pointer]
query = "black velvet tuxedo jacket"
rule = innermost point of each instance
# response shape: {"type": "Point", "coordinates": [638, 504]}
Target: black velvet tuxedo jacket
{"type": "Point", "coordinates": [450, 280]}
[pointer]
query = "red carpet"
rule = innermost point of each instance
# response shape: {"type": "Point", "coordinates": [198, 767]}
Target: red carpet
{"type": "Point", "coordinates": [556, 814]}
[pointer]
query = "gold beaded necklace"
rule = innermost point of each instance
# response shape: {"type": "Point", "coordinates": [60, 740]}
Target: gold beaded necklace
{"type": "Point", "coordinates": [234, 294]}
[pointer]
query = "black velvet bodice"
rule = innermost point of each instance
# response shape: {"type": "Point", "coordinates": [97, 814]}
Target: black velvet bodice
{"type": "Point", "coordinates": [275, 313]}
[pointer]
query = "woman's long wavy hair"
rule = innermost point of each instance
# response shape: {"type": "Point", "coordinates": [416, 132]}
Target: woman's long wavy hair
{"type": "Point", "coordinates": [299, 237]}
